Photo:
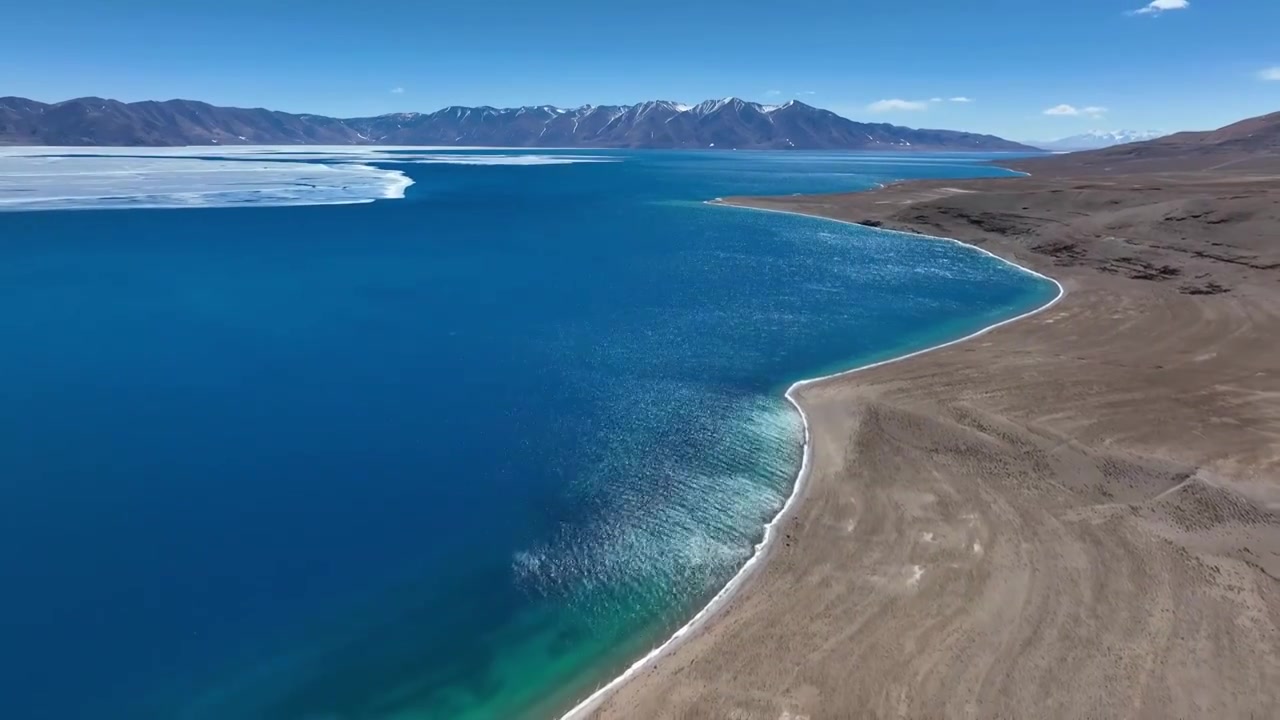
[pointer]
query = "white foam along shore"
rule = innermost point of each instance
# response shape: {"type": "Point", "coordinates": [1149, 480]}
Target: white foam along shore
{"type": "Point", "coordinates": [591, 702]}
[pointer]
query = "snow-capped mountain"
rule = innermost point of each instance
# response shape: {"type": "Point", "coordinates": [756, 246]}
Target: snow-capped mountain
{"type": "Point", "coordinates": [1096, 139]}
{"type": "Point", "coordinates": [726, 123]}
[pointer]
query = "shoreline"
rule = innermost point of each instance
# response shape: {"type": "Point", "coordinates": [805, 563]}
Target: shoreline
{"type": "Point", "coordinates": [762, 549]}
{"type": "Point", "coordinates": [1069, 518]}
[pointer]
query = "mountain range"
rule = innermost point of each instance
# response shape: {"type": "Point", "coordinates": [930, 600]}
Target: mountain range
{"type": "Point", "coordinates": [1248, 146]}
{"type": "Point", "coordinates": [727, 123]}
{"type": "Point", "coordinates": [1097, 139]}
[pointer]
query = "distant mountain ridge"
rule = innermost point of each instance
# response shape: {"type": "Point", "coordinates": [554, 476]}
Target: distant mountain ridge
{"type": "Point", "coordinates": [1247, 146]}
{"type": "Point", "coordinates": [727, 123]}
{"type": "Point", "coordinates": [1097, 139]}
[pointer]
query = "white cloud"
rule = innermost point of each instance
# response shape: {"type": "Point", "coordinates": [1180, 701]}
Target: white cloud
{"type": "Point", "coordinates": [807, 92]}
{"type": "Point", "coordinates": [935, 99]}
{"type": "Point", "coordinates": [772, 93]}
{"type": "Point", "coordinates": [397, 91]}
{"type": "Point", "coordinates": [961, 99]}
{"type": "Point", "coordinates": [895, 104]}
{"type": "Point", "coordinates": [1271, 73]}
{"type": "Point", "coordinates": [1092, 111]}
{"type": "Point", "coordinates": [1157, 7]}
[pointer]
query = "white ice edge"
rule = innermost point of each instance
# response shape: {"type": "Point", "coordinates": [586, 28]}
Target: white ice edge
{"type": "Point", "coordinates": [190, 150]}
{"type": "Point", "coordinates": [592, 701]}
{"type": "Point", "coordinates": [42, 179]}
{"type": "Point", "coordinates": [278, 153]}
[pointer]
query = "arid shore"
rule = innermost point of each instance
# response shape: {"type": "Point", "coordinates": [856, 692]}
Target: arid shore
{"type": "Point", "coordinates": [1075, 515]}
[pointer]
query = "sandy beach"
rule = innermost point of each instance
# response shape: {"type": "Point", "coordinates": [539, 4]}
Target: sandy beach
{"type": "Point", "coordinates": [1073, 515]}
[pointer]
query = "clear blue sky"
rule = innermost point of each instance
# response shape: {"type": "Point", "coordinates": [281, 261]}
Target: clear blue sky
{"type": "Point", "coordinates": [1185, 68]}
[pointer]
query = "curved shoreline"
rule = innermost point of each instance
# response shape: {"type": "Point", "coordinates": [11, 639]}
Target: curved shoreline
{"type": "Point", "coordinates": [739, 579]}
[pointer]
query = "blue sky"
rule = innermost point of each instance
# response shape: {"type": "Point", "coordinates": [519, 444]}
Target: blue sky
{"type": "Point", "coordinates": [1197, 64]}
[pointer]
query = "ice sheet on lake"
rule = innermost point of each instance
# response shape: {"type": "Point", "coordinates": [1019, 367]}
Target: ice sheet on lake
{"type": "Point", "coordinates": [459, 159]}
{"type": "Point", "coordinates": [47, 178]}
{"type": "Point", "coordinates": [57, 183]}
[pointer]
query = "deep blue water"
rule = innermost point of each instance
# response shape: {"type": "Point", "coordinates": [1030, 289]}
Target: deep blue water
{"type": "Point", "coordinates": [464, 454]}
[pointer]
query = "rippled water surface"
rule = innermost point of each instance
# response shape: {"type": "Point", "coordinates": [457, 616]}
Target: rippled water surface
{"type": "Point", "coordinates": [463, 454]}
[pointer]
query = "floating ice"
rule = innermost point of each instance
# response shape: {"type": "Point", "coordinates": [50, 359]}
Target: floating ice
{"type": "Point", "coordinates": [61, 178]}
{"type": "Point", "coordinates": [48, 182]}
{"type": "Point", "coordinates": [506, 159]}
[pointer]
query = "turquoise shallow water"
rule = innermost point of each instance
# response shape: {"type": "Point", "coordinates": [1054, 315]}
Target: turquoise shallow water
{"type": "Point", "coordinates": [461, 455]}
